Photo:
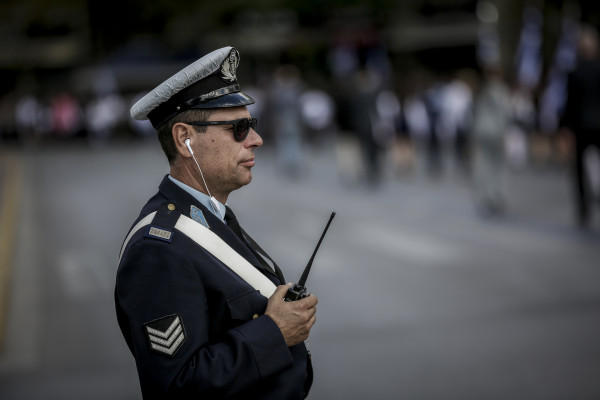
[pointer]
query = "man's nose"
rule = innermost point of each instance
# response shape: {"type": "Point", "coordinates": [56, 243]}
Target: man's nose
{"type": "Point", "coordinates": [253, 139]}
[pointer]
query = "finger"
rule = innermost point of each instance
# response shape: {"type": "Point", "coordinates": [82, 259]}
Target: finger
{"type": "Point", "coordinates": [310, 319]}
{"type": "Point", "coordinates": [280, 292]}
{"type": "Point", "coordinates": [310, 301]}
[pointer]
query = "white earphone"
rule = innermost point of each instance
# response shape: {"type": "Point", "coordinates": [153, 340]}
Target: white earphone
{"type": "Point", "coordinates": [213, 202]}
{"type": "Point", "coordinates": [187, 143]}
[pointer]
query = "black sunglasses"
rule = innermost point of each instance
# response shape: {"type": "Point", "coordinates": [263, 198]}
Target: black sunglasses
{"type": "Point", "coordinates": [241, 127]}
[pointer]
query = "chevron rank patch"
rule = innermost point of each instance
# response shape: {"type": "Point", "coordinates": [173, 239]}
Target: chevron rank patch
{"type": "Point", "coordinates": [165, 335]}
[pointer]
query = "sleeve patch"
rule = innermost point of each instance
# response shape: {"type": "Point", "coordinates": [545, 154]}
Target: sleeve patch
{"type": "Point", "coordinates": [165, 335]}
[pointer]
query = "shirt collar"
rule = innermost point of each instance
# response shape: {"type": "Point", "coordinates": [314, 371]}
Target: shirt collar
{"type": "Point", "coordinates": [202, 198]}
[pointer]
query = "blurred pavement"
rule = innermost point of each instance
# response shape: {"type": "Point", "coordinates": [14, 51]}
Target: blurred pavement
{"type": "Point", "coordinates": [419, 296]}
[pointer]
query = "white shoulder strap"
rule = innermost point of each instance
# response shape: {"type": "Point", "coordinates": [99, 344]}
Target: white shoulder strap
{"type": "Point", "coordinates": [212, 243]}
{"type": "Point", "coordinates": [141, 223]}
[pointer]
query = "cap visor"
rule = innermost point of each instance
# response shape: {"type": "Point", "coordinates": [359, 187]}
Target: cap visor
{"type": "Point", "coordinates": [237, 99]}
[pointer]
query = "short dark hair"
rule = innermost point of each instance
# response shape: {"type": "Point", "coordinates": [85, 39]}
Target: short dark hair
{"type": "Point", "coordinates": [165, 137]}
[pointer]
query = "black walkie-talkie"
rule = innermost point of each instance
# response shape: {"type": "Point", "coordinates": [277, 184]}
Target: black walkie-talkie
{"type": "Point", "coordinates": [298, 291]}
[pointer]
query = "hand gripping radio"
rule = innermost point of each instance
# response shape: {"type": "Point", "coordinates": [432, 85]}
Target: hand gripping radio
{"type": "Point", "coordinates": [298, 291]}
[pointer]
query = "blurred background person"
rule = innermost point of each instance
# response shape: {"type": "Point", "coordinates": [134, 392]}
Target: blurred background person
{"type": "Point", "coordinates": [455, 118]}
{"type": "Point", "coordinates": [67, 116]}
{"type": "Point", "coordinates": [363, 117]}
{"type": "Point", "coordinates": [416, 119]}
{"type": "Point", "coordinates": [491, 114]}
{"type": "Point", "coordinates": [553, 95]}
{"type": "Point", "coordinates": [386, 128]}
{"type": "Point", "coordinates": [32, 118]}
{"type": "Point", "coordinates": [433, 104]}
{"type": "Point", "coordinates": [287, 122]}
{"type": "Point", "coordinates": [524, 115]}
{"type": "Point", "coordinates": [318, 112]}
{"type": "Point", "coordinates": [582, 117]}
{"type": "Point", "coordinates": [105, 111]}
{"type": "Point", "coordinates": [491, 121]}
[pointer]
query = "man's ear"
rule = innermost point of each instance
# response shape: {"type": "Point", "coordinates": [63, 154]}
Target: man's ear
{"type": "Point", "coordinates": [182, 132]}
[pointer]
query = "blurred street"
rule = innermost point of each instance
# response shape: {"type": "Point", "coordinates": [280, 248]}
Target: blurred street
{"type": "Point", "coordinates": [420, 297]}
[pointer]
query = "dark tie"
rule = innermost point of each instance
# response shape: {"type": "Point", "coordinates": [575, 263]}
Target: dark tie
{"type": "Point", "coordinates": [234, 225]}
{"type": "Point", "coordinates": [232, 222]}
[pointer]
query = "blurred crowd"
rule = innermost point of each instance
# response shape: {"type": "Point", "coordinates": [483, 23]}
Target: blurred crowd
{"type": "Point", "coordinates": [478, 121]}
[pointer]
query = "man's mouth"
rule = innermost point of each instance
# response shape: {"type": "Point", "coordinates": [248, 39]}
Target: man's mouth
{"type": "Point", "coordinates": [248, 162]}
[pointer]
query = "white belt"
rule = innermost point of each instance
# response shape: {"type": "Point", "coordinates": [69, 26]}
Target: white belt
{"type": "Point", "coordinates": [212, 243]}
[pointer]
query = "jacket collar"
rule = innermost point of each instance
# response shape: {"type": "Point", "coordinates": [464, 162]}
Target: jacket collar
{"type": "Point", "coordinates": [185, 203]}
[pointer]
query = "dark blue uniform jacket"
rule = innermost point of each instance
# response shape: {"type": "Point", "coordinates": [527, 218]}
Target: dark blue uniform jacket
{"type": "Point", "coordinates": [195, 328]}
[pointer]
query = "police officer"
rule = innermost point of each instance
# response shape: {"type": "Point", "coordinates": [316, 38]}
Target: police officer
{"type": "Point", "coordinates": [200, 304]}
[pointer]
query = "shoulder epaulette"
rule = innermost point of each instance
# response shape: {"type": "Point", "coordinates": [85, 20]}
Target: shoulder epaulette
{"type": "Point", "coordinates": [162, 226]}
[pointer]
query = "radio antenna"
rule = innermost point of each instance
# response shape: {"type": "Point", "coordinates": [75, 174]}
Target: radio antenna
{"type": "Point", "coordinates": [304, 276]}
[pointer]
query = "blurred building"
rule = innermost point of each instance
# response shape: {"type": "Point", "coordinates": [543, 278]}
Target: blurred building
{"type": "Point", "coordinates": [52, 45]}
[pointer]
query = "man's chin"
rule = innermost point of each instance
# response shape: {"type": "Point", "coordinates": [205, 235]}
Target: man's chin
{"type": "Point", "coordinates": [246, 179]}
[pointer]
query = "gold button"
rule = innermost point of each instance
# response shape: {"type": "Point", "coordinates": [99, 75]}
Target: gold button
{"type": "Point", "coordinates": [171, 207]}
{"type": "Point", "coordinates": [255, 316]}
